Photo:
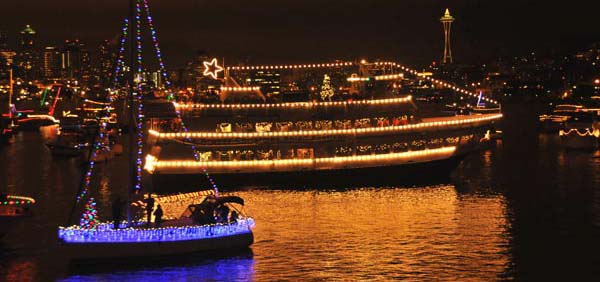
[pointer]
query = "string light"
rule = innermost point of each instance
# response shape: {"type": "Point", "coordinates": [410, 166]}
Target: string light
{"type": "Point", "coordinates": [154, 37]}
{"type": "Point", "coordinates": [316, 163]}
{"type": "Point", "coordinates": [16, 200]}
{"type": "Point", "coordinates": [303, 66]}
{"type": "Point", "coordinates": [89, 219]}
{"type": "Point", "coordinates": [90, 168]}
{"type": "Point", "coordinates": [586, 132]}
{"type": "Point", "coordinates": [140, 116]}
{"type": "Point", "coordinates": [121, 55]}
{"type": "Point", "coordinates": [240, 89]}
{"type": "Point", "coordinates": [355, 79]}
{"type": "Point", "coordinates": [149, 160]}
{"type": "Point", "coordinates": [406, 99]}
{"type": "Point", "coordinates": [104, 232]}
{"type": "Point", "coordinates": [329, 132]}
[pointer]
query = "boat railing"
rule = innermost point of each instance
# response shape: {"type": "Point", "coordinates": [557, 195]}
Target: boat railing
{"type": "Point", "coordinates": [105, 233]}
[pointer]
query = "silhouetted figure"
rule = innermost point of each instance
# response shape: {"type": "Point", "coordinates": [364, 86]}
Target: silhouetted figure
{"type": "Point", "coordinates": [223, 214]}
{"type": "Point", "coordinates": [158, 213]}
{"type": "Point", "coordinates": [117, 211]}
{"type": "Point", "coordinates": [233, 217]}
{"type": "Point", "coordinates": [149, 208]}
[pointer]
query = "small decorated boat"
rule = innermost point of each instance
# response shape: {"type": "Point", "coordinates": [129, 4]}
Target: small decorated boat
{"type": "Point", "coordinates": [201, 227]}
{"type": "Point", "coordinates": [12, 209]}
{"type": "Point", "coordinates": [196, 222]}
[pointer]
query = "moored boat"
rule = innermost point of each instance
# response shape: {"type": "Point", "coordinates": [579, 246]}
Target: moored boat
{"type": "Point", "coordinates": [182, 232]}
{"type": "Point", "coordinates": [205, 226]}
{"type": "Point", "coordinates": [13, 209]}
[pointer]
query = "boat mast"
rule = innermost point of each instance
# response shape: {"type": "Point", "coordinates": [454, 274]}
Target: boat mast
{"type": "Point", "coordinates": [10, 93]}
{"type": "Point", "coordinates": [130, 104]}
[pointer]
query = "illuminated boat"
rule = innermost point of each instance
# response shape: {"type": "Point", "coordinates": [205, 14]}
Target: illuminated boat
{"type": "Point", "coordinates": [67, 145]}
{"type": "Point", "coordinates": [12, 209]}
{"type": "Point", "coordinates": [29, 121]}
{"type": "Point", "coordinates": [582, 139]}
{"type": "Point", "coordinates": [202, 226]}
{"type": "Point", "coordinates": [272, 142]}
{"type": "Point", "coordinates": [580, 130]}
{"type": "Point", "coordinates": [7, 129]}
{"type": "Point", "coordinates": [184, 231]}
{"type": "Point", "coordinates": [555, 121]}
{"type": "Point", "coordinates": [12, 206]}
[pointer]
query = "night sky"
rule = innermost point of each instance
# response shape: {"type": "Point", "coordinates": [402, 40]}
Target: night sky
{"type": "Point", "coordinates": [314, 30]}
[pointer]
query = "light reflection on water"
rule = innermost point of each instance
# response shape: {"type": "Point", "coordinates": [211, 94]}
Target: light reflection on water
{"type": "Point", "coordinates": [495, 221]}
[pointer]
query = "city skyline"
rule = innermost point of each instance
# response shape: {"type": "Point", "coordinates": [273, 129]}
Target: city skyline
{"type": "Point", "coordinates": [355, 29]}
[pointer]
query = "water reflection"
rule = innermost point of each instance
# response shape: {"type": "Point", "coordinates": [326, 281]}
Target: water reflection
{"type": "Point", "coordinates": [233, 268]}
{"type": "Point", "coordinates": [391, 233]}
{"type": "Point", "coordinates": [524, 209]}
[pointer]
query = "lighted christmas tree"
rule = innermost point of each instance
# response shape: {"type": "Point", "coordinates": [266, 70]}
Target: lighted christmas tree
{"type": "Point", "coordinates": [326, 90]}
{"type": "Point", "coordinates": [89, 219]}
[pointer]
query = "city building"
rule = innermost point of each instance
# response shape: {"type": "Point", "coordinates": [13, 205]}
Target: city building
{"type": "Point", "coordinates": [27, 56]}
{"type": "Point", "coordinates": [51, 63]}
{"type": "Point", "coordinates": [447, 21]}
{"type": "Point", "coordinates": [268, 81]}
{"type": "Point", "coordinates": [6, 59]}
{"type": "Point", "coordinates": [105, 67]}
{"type": "Point", "coordinates": [75, 61]}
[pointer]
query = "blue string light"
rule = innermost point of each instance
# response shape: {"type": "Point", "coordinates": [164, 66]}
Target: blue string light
{"type": "Point", "coordinates": [154, 36]}
{"type": "Point", "coordinates": [121, 55]}
{"type": "Point", "coordinates": [104, 232]}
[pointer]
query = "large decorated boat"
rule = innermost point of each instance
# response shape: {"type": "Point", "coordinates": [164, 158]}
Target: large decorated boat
{"type": "Point", "coordinates": [265, 140]}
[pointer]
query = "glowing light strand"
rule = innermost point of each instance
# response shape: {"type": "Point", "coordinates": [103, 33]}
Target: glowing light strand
{"type": "Point", "coordinates": [315, 163]}
{"type": "Point", "coordinates": [88, 174]}
{"type": "Point", "coordinates": [17, 200]}
{"type": "Point", "coordinates": [154, 36]}
{"type": "Point", "coordinates": [327, 132]}
{"type": "Point", "coordinates": [104, 232]}
{"type": "Point", "coordinates": [120, 66]}
{"type": "Point", "coordinates": [139, 121]}
{"type": "Point", "coordinates": [196, 155]}
{"type": "Point", "coordinates": [89, 219]}
{"type": "Point", "coordinates": [406, 99]}
{"type": "Point", "coordinates": [348, 64]}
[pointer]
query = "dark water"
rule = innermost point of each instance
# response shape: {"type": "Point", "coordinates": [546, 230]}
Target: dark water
{"type": "Point", "coordinates": [523, 209]}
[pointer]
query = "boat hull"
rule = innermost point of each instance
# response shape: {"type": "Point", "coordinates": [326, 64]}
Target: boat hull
{"type": "Point", "coordinates": [403, 174]}
{"type": "Point", "coordinates": [576, 142]}
{"type": "Point", "coordinates": [66, 151]}
{"type": "Point", "coordinates": [100, 251]}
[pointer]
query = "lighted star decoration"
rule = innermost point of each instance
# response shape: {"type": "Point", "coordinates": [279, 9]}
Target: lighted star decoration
{"type": "Point", "coordinates": [212, 68]}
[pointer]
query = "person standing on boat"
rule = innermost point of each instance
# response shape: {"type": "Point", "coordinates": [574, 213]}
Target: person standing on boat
{"type": "Point", "coordinates": [117, 211]}
{"type": "Point", "coordinates": [158, 216]}
{"type": "Point", "coordinates": [233, 217]}
{"type": "Point", "coordinates": [149, 208]}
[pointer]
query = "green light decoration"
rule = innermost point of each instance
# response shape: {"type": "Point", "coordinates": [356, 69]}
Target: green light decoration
{"type": "Point", "coordinates": [44, 97]}
{"type": "Point", "coordinates": [326, 90]}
